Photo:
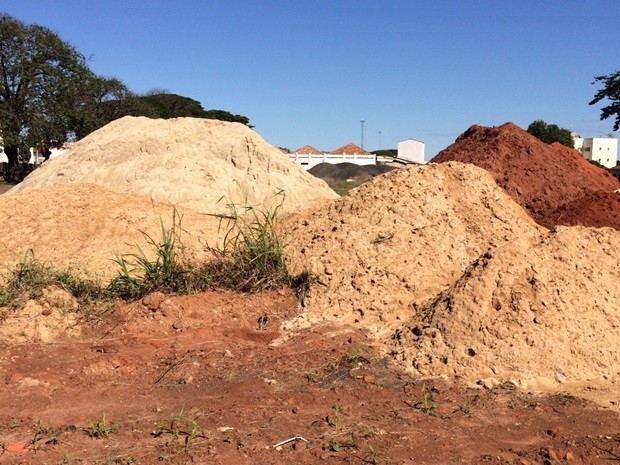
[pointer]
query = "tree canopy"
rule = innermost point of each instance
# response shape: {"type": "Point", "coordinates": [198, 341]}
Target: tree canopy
{"type": "Point", "coordinates": [611, 92]}
{"type": "Point", "coordinates": [161, 104]}
{"type": "Point", "coordinates": [550, 133]}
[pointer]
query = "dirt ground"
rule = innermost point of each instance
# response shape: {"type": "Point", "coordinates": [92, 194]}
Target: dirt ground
{"type": "Point", "coordinates": [211, 378]}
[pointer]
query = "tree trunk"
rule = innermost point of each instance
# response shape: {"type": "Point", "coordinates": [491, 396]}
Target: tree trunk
{"type": "Point", "coordinates": [12, 167]}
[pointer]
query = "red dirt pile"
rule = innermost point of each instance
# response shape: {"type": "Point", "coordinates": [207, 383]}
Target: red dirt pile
{"type": "Point", "coordinates": [542, 178]}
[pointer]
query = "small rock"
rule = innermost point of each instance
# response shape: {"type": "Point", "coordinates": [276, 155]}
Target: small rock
{"type": "Point", "coordinates": [370, 379]}
{"type": "Point", "coordinates": [295, 410]}
{"type": "Point", "coordinates": [560, 377]}
{"type": "Point", "coordinates": [46, 311]}
{"type": "Point", "coordinates": [553, 455]}
{"type": "Point", "coordinates": [228, 353]}
{"type": "Point", "coordinates": [569, 456]}
{"type": "Point", "coordinates": [153, 300]}
{"type": "Point", "coordinates": [300, 445]}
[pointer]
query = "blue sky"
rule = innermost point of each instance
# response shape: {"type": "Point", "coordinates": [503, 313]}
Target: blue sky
{"type": "Point", "coordinates": [306, 72]}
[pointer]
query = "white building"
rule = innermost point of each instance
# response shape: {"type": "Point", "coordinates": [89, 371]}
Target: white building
{"type": "Point", "coordinates": [411, 151]}
{"type": "Point", "coordinates": [600, 149]}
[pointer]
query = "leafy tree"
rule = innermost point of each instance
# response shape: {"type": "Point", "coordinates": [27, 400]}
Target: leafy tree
{"type": "Point", "coordinates": [610, 91]}
{"type": "Point", "coordinates": [550, 133]}
{"type": "Point", "coordinates": [162, 104]}
{"type": "Point", "coordinates": [226, 116]}
{"type": "Point", "coordinates": [45, 86]}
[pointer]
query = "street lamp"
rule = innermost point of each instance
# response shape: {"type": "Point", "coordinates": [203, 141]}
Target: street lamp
{"type": "Point", "coordinates": [362, 121]}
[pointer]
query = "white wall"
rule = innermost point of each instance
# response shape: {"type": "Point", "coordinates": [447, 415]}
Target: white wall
{"type": "Point", "coordinates": [307, 161]}
{"type": "Point", "coordinates": [411, 150]}
{"type": "Point", "coordinates": [601, 149]}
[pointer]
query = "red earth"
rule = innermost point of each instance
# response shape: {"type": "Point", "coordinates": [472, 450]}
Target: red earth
{"type": "Point", "coordinates": [211, 378]}
{"type": "Point", "coordinates": [543, 178]}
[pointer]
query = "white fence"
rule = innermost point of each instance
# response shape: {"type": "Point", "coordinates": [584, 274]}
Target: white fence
{"type": "Point", "coordinates": [307, 161]}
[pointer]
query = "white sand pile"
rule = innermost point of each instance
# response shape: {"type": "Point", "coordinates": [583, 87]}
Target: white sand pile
{"type": "Point", "coordinates": [453, 278]}
{"type": "Point", "coordinates": [399, 240]}
{"type": "Point", "coordinates": [85, 226]}
{"type": "Point", "coordinates": [184, 161]}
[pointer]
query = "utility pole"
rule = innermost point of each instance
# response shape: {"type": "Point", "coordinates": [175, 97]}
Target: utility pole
{"type": "Point", "coordinates": [362, 121]}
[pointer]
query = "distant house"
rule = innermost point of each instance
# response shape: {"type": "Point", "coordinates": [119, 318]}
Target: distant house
{"type": "Point", "coordinates": [308, 157]}
{"type": "Point", "coordinates": [603, 150]}
{"type": "Point", "coordinates": [615, 172]}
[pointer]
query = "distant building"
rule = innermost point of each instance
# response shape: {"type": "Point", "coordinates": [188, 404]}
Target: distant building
{"type": "Point", "coordinates": [410, 151]}
{"type": "Point", "coordinates": [603, 150]}
{"type": "Point", "coordinates": [308, 157]}
{"type": "Point", "coordinates": [615, 172]}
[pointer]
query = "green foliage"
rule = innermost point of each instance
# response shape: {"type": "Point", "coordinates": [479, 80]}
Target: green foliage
{"type": "Point", "coordinates": [182, 425]}
{"type": "Point", "coordinates": [251, 257]}
{"type": "Point", "coordinates": [611, 92]}
{"type": "Point", "coordinates": [101, 429]}
{"type": "Point", "coordinates": [44, 436]}
{"type": "Point", "coordinates": [161, 104]}
{"type": "Point", "coordinates": [138, 274]}
{"type": "Point", "coordinates": [386, 153]}
{"type": "Point", "coordinates": [550, 133]}
{"type": "Point", "coordinates": [31, 275]}
{"type": "Point", "coordinates": [427, 403]}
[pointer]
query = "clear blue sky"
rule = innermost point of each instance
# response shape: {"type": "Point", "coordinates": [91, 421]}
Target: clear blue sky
{"type": "Point", "coordinates": [306, 72]}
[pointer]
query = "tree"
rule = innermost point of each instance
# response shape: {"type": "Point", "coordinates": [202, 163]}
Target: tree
{"type": "Point", "coordinates": [550, 133]}
{"type": "Point", "coordinates": [610, 91]}
{"type": "Point", "coordinates": [45, 88]}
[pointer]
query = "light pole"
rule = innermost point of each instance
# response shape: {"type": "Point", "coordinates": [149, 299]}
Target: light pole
{"type": "Point", "coordinates": [362, 121]}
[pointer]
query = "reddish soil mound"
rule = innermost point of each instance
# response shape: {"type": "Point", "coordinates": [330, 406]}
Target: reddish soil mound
{"type": "Point", "coordinates": [596, 209]}
{"type": "Point", "coordinates": [538, 176]}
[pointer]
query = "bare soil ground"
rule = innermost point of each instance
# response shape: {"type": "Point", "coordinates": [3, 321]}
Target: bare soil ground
{"type": "Point", "coordinates": [211, 378]}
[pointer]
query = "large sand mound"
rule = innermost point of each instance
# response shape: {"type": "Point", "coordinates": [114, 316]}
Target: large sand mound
{"type": "Point", "coordinates": [453, 278]}
{"type": "Point", "coordinates": [85, 226]}
{"type": "Point", "coordinates": [184, 161]}
{"type": "Point", "coordinates": [538, 176]}
{"type": "Point", "coordinates": [400, 239]}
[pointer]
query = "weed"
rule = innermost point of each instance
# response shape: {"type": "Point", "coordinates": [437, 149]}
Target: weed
{"type": "Point", "coordinates": [100, 429]}
{"type": "Point", "coordinates": [355, 357]}
{"type": "Point", "coordinates": [30, 276]}
{"type": "Point", "coordinates": [251, 257]}
{"type": "Point", "coordinates": [44, 436]}
{"type": "Point", "coordinates": [469, 404]}
{"type": "Point", "coordinates": [332, 447]}
{"type": "Point", "coordinates": [373, 459]}
{"type": "Point", "coordinates": [182, 425]}
{"type": "Point", "coordinates": [138, 275]}
{"type": "Point", "coordinates": [427, 403]}
{"type": "Point", "coordinates": [334, 419]}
